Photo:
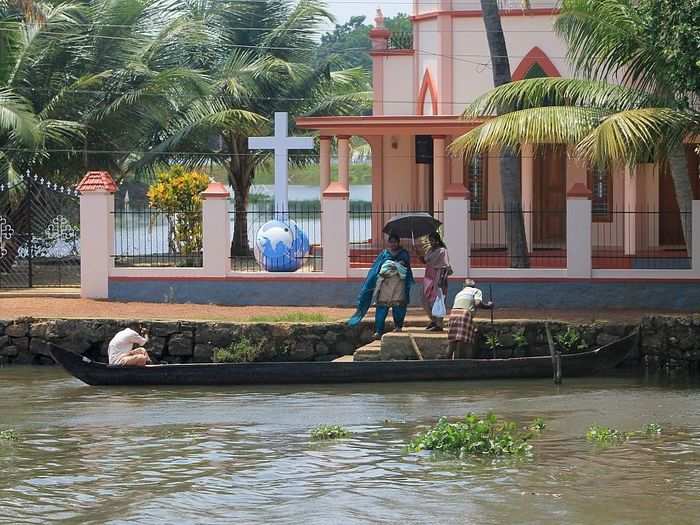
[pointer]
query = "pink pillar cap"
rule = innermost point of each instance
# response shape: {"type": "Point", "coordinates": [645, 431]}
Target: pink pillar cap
{"type": "Point", "coordinates": [216, 190]}
{"type": "Point", "coordinates": [336, 190]}
{"type": "Point", "coordinates": [579, 191]}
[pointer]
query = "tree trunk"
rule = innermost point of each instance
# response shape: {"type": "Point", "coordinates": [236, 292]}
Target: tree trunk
{"type": "Point", "coordinates": [684, 191]}
{"type": "Point", "coordinates": [240, 176]}
{"type": "Point", "coordinates": [509, 161]}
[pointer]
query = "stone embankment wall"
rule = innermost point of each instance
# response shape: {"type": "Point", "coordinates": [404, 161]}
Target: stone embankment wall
{"type": "Point", "coordinates": [673, 341]}
{"type": "Point", "coordinates": [25, 341]}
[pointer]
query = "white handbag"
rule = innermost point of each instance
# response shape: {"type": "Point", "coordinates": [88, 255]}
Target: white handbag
{"type": "Point", "coordinates": [439, 309]}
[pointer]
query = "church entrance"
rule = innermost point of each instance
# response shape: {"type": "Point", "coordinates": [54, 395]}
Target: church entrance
{"type": "Point", "coordinates": [549, 221]}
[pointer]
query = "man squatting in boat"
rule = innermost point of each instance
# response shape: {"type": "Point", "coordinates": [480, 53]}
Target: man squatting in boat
{"type": "Point", "coordinates": [461, 330]}
{"type": "Point", "coordinates": [122, 352]}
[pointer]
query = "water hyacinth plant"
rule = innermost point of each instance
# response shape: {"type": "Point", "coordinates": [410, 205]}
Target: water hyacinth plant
{"type": "Point", "coordinates": [538, 425]}
{"type": "Point", "coordinates": [475, 435]}
{"type": "Point", "coordinates": [605, 435]}
{"type": "Point", "coordinates": [8, 435]}
{"type": "Point", "coordinates": [328, 432]}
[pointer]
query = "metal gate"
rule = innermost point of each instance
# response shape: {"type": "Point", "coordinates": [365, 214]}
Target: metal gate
{"type": "Point", "coordinates": [39, 234]}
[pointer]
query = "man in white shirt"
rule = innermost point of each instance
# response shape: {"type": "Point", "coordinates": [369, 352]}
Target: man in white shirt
{"type": "Point", "coordinates": [461, 332]}
{"type": "Point", "coordinates": [122, 352]}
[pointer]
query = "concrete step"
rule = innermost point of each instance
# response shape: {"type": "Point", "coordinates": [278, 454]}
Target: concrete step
{"type": "Point", "coordinates": [396, 346]}
{"type": "Point", "coordinates": [370, 352]}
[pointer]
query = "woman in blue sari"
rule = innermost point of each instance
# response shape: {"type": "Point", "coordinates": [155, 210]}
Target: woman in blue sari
{"type": "Point", "coordinates": [389, 284]}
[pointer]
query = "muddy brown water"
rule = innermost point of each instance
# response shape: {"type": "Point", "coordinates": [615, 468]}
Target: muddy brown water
{"type": "Point", "coordinates": [242, 455]}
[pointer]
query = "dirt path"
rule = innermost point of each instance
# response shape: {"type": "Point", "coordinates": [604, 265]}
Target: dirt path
{"type": "Point", "coordinates": [59, 307]}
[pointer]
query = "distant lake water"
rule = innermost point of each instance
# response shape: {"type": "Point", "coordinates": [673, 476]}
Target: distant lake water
{"type": "Point", "coordinates": [361, 192]}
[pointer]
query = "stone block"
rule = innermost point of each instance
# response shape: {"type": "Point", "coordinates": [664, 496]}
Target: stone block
{"type": "Point", "coordinates": [9, 351]}
{"type": "Point", "coordinates": [22, 344]}
{"type": "Point", "coordinates": [201, 334]}
{"type": "Point", "coordinates": [344, 348]}
{"type": "Point", "coordinates": [397, 347]}
{"type": "Point", "coordinates": [222, 336]}
{"type": "Point", "coordinates": [39, 347]}
{"type": "Point", "coordinates": [605, 338]}
{"type": "Point", "coordinates": [164, 329]}
{"type": "Point", "coordinates": [321, 349]}
{"type": "Point", "coordinates": [4, 340]}
{"type": "Point", "coordinates": [23, 358]}
{"type": "Point", "coordinates": [618, 330]}
{"type": "Point", "coordinates": [156, 345]}
{"type": "Point", "coordinates": [39, 330]}
{"type": "Point", "coordinates": [202, 353]}
{"type": "Point", "coordinates": [302, 351]}
{"type": "Point", "coordinates": [181, 345]}
{"type": "Point", "coordinates": [17, 330]}
{"type": "Point", "coordinates": [330, 338]}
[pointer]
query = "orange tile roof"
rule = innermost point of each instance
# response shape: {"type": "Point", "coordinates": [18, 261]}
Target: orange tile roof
{"type": "Point", "coordinates": [97, 181]}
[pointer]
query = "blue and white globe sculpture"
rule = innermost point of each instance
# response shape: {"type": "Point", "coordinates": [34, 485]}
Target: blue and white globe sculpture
{"type": "Point", "coordinates": [281, 246]}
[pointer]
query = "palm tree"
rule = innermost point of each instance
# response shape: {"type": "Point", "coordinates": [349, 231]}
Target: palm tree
{"type": "Point", "coordinates": [509, 160]}
{"type": "Point", "coordinates": [642, 117]}
{"type": "Point", "coordinates": [262, 62]}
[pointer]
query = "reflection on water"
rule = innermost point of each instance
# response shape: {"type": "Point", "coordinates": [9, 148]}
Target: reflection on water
{"type": "Point", "coordinates": [235, 455]}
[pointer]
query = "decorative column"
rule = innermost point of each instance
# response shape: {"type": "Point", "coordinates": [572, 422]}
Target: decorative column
{"type": "Point", "coordinates": [458, 227]}
{"type": "Point", "coordinates": [344, 161]}
{"type": "Point", "coordinates": [439, 172]}
{"type": "Point", "coordinates": [216, 230]}
{"type": "Point", "coordinates": [527, 170]}
{"type": "Point", "coordinates": [379, 37]}
{"type": "Point", "coordinates": [335, 230]}
{"type": "Point", "coordinates": [579, 227]}
{"type": "Point", "coordinates": [695, 246]}
{"type": "Point", "coordinates": [325, 162]}
{"type": "Point", "coordinates": [97, 191]}
{"type": "Point", "coordinates": [630, 217]}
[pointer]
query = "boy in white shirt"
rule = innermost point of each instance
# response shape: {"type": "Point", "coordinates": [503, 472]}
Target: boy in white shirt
{"type": "Point", "coordinates": [122, 353]}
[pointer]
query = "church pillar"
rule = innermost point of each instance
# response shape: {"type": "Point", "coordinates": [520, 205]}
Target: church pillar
{"type": "Point", "coordinates": [439, 172]}
{"type": "Point", "coordinates": [344, 161]}
{"type": "Point", "coordinates": [325, 162]}
{"type": "Point", "coordinates": [527, 160]}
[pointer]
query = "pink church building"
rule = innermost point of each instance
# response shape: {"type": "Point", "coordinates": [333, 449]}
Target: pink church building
{"type": "Point", "coordinates": [419, 95]}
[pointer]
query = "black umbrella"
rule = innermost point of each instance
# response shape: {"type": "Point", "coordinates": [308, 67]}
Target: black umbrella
{"type": "Point", "coordinates": [412, 225]}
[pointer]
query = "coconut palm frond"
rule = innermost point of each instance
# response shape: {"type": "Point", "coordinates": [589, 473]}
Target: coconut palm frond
{"type": "Point", "coordinates": [548, 125]}
{"type": "Point", "coordinates": [606, 39]}
{"type": "Point", "coordinates": [637, 135]}
{"type": "Point", "coordinates": [18, 119]}
{"type": "Point", "coordinates": [537, 92]}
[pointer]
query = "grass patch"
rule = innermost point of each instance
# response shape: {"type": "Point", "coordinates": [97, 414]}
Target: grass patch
{"type": "Point", "coordinates": [475, 435]}
{"type": "Point", "coordinates": [328, 432]}
{"type": "Point", "coordinates": [242, 351]}
{"type": "Point", "coordinates": [292, 317]}
{"type": "Point", "coordinates": [8, 434]}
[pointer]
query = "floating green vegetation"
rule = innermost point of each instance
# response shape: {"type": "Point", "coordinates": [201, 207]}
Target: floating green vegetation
{"type": "Point", "coordinates": [538, 425]}
{"type": "Point", "coordinates": [292, 317]}
{"type": "Point", "coordinates": [242, 351]}
{"type": "Point", "coordinates": [605, 435]}
{"type": "Point", "coordinates": [475, 435]}
{"type": "Point", "coordinates": [653, 429]}
{"type": "Point", "coordinates": [8, 434]}
{"type": "Point", "coordinates": [570, 341]}
{"type": "Point", "coordinates": [610, 436]}
{"type": "Point", "coordinates": [328, 432]}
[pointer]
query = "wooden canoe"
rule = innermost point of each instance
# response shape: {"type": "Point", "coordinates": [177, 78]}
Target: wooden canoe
{"type": "Point", "coordinates": [581, 364]}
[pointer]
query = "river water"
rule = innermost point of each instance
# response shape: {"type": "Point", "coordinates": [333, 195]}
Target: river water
{"type": "Point", "coordinates": [242, 455]}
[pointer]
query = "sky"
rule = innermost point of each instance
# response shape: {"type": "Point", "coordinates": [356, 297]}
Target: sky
{"type": "Point", "coordinates": [344, 9]}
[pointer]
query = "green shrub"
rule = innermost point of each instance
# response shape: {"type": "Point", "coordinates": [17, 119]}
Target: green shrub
{"type": "Point", "coordinates": [327, 432]}
{"type": "Point", "coordinates": [8, 435]}
{"type": "Point", "coordinates": [493, 343]}
{"type": "Point", "coordinates": [605, 435]}
{"type": "Point", "coordinates": [242, 351]}
{"type": "Point", "coordinates": [570, 341]}
{"type": "Point", "coordinates": [475, 435]}
{"type": "Point", "coordinates": [520, 340]}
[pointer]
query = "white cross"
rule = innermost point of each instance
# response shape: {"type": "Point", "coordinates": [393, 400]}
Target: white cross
{"type": "Point", "coordinates": [281, 143]}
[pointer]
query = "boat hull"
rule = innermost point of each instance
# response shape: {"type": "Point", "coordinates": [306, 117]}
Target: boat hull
{"type": "Point", "coordinates": [574, 365]}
